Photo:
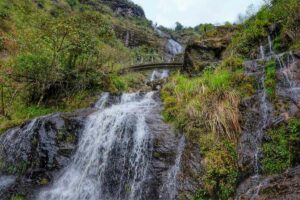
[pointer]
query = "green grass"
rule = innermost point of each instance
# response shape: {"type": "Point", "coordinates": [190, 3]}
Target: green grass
{"type": "Point", "coordinates": [18, 197]}
{"type": "Point", "coordinates": [206, 109]}
{"type": "Point", "coordinates": [20, 112]}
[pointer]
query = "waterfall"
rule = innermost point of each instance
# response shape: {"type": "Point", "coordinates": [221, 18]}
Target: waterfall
{"type": "Point", "coordinates": [264, 112]}
{"type": "Point", "coordinates": [169, 188]}
{"type": "Point", "coordinates": [112, 157]}
{"type": "Point", "coordinates": [173, 47]}
{"type": "Point", "coordinates": [262, 52]}
{"type": "Point", "coordinates": [101, 103]}
{"type": "Point", "coordinates": [159, 74]}
{"type": "Point", "coordinates": [270, 45]}
{"type": "Point", "coordinates": [5, 182]}
{"type": "Point", "coordinates": [115, 151]}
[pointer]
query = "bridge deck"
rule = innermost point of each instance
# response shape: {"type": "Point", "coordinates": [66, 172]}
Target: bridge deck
{"type": "Point", "coordinates": [151, 66]}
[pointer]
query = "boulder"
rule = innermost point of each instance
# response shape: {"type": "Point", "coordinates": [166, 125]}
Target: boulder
{"type": "Point", "coordinates": [206, 50]}
{"type": "Point", "coordinates": [32, 153]}
{"type": "Point", "coordinates": [277, 187]}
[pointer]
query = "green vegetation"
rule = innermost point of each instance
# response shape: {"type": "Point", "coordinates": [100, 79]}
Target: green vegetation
{"type": "Point", "coordinates": [282, 149]}
{"type": "Point", "coordinates": [284, 14]}
{"type": "Point", "coordinates": [58, 56]}
{"type": "Point", "coordinates": [270, 81]}
{"type": "Point", "coordinates": [18, 197]}
{"type": "Point", "coordinates": [206, 109]}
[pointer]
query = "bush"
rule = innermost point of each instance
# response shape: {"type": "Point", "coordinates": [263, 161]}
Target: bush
{"type": "Point", "coordinates": [282, 150]}
{"type": "Point", "coordinates": [221, 170]}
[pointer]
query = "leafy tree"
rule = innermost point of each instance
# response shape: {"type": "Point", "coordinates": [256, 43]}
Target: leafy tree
{"type": "Point", "coordinates": [178, 27]}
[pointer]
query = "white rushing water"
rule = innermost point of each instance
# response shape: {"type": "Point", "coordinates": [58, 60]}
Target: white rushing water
{"type": "Point", "coordinates": [159, 74]}
{"type": "Point", "coordinates": [171, 183]}
{"type": "Point", "coordinates": [173, 47]}
{"type": "Point", "coordinates": [265, 110]}
{"type": "Point", "coordinates": [113, 154]}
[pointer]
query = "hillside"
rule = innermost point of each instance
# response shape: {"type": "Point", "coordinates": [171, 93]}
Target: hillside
{"type": "Point", "coordinates": [74, 125]}
{"type": "Point", "coordinates": [56, 55]}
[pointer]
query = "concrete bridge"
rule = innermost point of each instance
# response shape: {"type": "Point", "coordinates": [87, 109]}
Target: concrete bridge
{"type": "Point", "coordinates": [149, 66]}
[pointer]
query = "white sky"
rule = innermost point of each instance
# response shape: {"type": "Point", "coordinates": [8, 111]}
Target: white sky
{"type": "Point", "coordinates": [194, 12]}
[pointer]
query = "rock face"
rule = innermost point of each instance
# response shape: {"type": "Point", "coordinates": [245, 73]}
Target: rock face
{"type": "Point", "coordinates": [137, 37]}
{"type": "Point", "coordinates": [125, 8]}
{"type": "Point", "coordinates": [32, 153]}
{"type": "Point", "coordinates": [260, 112]}
{"type": "Point", "coordinates": [206, 50]}
{"type": "Point", "coordinates": [35, 155]}
{"type": "Point", "coordinates": [278, 187]}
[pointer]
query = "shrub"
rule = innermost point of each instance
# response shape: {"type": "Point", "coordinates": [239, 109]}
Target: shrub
{"type": "Point", "coordinates": [282, 150]}
{"type": "Point", "coordinates": [220, 161]}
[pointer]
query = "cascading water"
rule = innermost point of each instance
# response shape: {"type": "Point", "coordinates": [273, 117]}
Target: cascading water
{"type": "Point", "coordinates": [114, 155]}
{"type": "Point", "coordinates": [265, 111]}
{"type": "Point", "coordinates": [262, 52]}
{"type": "Point", "coordinates": [159, 74]}
{"type": "Point", "coordinates": [270, 45]}
{"type": "Point", "coordinates": [170, 183]}
{"type": "Point", "coordinates": [172, 47]}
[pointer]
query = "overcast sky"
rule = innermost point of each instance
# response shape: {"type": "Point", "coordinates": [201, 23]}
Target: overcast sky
{"type": "Point", "coordinates": [194, 12]}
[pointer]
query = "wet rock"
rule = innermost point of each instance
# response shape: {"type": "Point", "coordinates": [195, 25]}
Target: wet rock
{"type": "Point", "coordinates": [191, 174]}
{"type": "Point", "coordinates": [246, 146]}
{"type": "Point", "coordinates": [278, 187]}
{"type": "Point", "coordinates": [36, 150]}
{"type": "Point", "coordinates": [156, 84]}
{"type": "Point", "coordinates": [135, 37]}
{"type": "Point", "coordinates": [297, 54]}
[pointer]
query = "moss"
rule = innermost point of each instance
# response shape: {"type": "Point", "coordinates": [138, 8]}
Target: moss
{"type": "Point", "coordinates": [71, 138]}
{"type": "Point", "coordinates": [43, 181]}
{"type": "Point", "coordinates": [18, 197]}
{"type": "Point", "coordinates": [18, 169]}
{"type": "Point", "coordinates": [270, 80]}
{"type": "Point", "coordinates": [282, 150]}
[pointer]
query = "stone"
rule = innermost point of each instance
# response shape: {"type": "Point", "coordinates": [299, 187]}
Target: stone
{"type": "Point", "coordinates": [125, 8]}
{"type": "Point", "coordinates": [207, 50]}
{"type": "Point", "coordinates": [277, 187]}
{"type": "Point", "coordinates": [36, 150]}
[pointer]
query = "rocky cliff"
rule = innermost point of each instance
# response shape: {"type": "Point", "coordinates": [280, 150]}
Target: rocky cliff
{"type": "Point", "coordinates": [125, 8]}
{"type": "Point", "coordinates": [208, 49]}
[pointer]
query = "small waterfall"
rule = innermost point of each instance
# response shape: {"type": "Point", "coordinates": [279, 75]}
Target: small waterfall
{"type": "Point", "coordinates": [262, 52]}
{"type": "Point", "coordinates": [286, 67]}
{"type": "Point", "coordinates": [127, 38]}
{"type": "Point", "coordinates": [159, 74]}
{"type": "Point", "coordinates": [5, 182]}
{"type": "Point", "coordinates": [270, 45]}
{"type": "Point", "coordinates": [173, 47]}
{"type": "Point", "coordinates": [169, 188]}
{"type": "Point", "coordinates": [265, 111]}
{"type": "Point", "coordinates": [101, 103]}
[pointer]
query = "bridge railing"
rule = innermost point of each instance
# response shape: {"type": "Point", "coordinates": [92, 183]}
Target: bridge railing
{"type": "Point", "coordinates": [148, 66]}
{"type": "Point", "coordinates": [154, 58]}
